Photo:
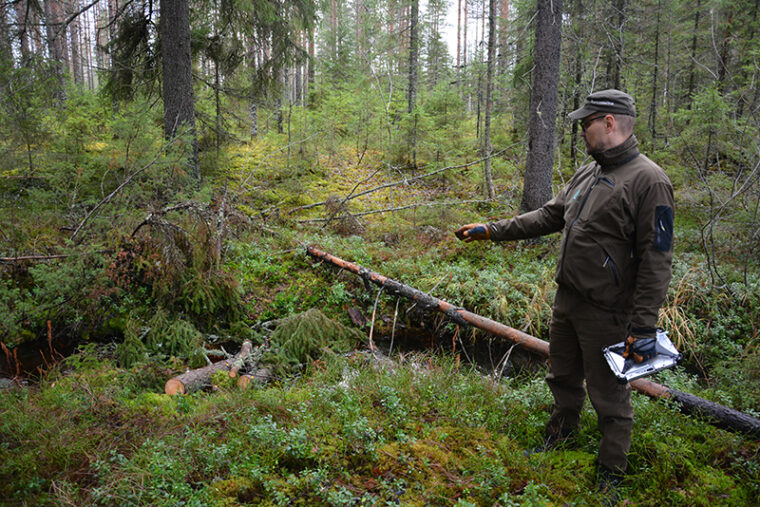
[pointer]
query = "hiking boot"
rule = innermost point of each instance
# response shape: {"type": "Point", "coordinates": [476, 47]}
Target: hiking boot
{"type": "Point", "coordinates": [609, 486]}
{"type": "Point", "coordinates": [552, 443]}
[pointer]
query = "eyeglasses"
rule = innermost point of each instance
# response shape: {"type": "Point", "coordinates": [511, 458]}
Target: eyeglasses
{"type": "Point", "coordinates": [585, 124]}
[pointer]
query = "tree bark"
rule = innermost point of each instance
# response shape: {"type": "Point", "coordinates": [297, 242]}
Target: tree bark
{"type": "Point", "coordinates": [459, 44]}
{"type": "Point", "coordinates": [6, 53]}
{"type": "Point", "coordinates": [488, 177]}
{"type": "Point", "coordinates": [615, 61]}
{"type": "Point", "coordinates": [253, 104]}
{"type": "Point", "coordinates": [655, 72]}
{"type": "Point", "coordinates": [503, 18]}
{"type": "Point", "coordinates": [179, 101]}
{"type": "Point", "coordinates": [413, 55]}
{"type": "Point", "coordinates": [716, 414]}
{"type": "Point", "coordinates": [413, 77]}
{"type": "Point", "coordinates": [76, 54]}
{"type": "Point", "coordinates": [464, 38]}
{"type": "Point", "coordinates": [22, 24]}
{"type": "Point", "coordinates": [310, 70]}
{"type": "Point", "coordinates": [195, 380]}
{"type": "Point", "coordinates": [537, 188]}
{"type": "Point", "coordinates": [55, 35]}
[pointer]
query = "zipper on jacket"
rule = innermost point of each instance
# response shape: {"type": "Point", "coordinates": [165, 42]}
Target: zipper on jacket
{"type": "Point", "coordinates": [609, 261]}
{"type": "Point", "coordinates": [575, 220]}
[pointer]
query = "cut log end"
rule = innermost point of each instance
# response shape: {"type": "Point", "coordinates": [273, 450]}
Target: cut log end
{"type": "Point", "coordinates": [245, 381]}
{"type": "Point", "coordinates": [174, 386]}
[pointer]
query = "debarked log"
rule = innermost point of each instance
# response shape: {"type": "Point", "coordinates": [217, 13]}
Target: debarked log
{"type": "Point", "coordinates": [195, 380]}
{"type": "Point", "coordinates": [716, 414]}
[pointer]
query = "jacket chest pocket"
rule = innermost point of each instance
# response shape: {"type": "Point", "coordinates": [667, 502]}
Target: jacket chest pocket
{"type": "Point", "coordinates": [601, 202]}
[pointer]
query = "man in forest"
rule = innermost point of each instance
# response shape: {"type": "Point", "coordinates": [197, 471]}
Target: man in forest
{"type": "Point", "coordinates": [613, 272]}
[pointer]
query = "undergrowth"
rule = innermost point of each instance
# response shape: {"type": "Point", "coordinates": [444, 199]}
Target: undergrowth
{"type": "Point", "coordinates": [351, 431]}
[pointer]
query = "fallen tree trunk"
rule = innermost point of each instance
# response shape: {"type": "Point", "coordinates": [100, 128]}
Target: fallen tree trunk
{"type": "Point", "coordinates": [194, 380]}
{"type": "Point", "coordinates": [718, 415]}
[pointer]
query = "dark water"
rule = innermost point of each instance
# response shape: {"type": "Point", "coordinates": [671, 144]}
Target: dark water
{"type": "Point", "coordinates": [32, 358]}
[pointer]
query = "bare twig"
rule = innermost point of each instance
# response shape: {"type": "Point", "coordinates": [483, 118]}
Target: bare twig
{"type": "Point", "coordinates": [400, 208]}
{"type": "Point", "coordinates": [372, 326]}
{"type": "Point", "coordinates": [34, 258]}
{"type": "Point", "coordinates": [343, 201]}
{"type": "Point", "coordinates": [122, 185]}
{"type": "Point", "coordinates": [151, 218]}
{"type": "Point", "coordinates": [393, 331]}
{"type": "Point", "coordinates": [409, 180]}
{"type": "Point", "coordinates": [502, 363]}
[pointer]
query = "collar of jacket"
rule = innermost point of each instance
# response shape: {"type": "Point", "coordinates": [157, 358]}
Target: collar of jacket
{"type": "Point", "coordinates": [619, 155]}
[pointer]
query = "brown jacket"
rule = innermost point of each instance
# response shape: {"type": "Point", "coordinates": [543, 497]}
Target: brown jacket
{"type": "Point", "coordinates": [617, 220]}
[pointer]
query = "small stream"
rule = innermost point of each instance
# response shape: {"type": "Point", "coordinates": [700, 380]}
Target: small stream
{"type": "Point", "coordinates": [31, 359]}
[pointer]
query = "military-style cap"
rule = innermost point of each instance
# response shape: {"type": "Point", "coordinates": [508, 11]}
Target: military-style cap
{"type": "Point", "coordinates": [605, 101]}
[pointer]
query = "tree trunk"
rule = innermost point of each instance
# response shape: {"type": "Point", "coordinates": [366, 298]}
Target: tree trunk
{"type": "Point", "coordinates": [537, 188]}
{"type": "Point", "coordinates": [655, 72]}
{"type": "Point", "coordinates": [413, 78]}
{"type": "Point", "coordinates": [179, 101]}
{"type": "Point", "coordinates": [113, 12]}
{"type": "Point", "coordinates": [693, 62]}
{"type": "Point", "coordinates": [88, 76]}
{"type": "Point", "coordinates": [413, 56]}
{"type": "Point", "coordinates": [576, 105]}
{"type": "Point", "coordinates": [298, 71]}
{"type": "Point", "coordinates": [503, 24]}
{"type": "Point", "coordinates": [310, 70]}
{"type": "Point", "coordinates": [22, 25]}
{"type": "Point", "coordinates": [76, 54]}
{"type": "Point", "coordinates": [6, 53]}
{"type": "Point", "coordinates": [253, 105]}
{"type": "Point", "coordinates": [724, 51]}
{"type": "Point", "coordinates": [464, 38]}
{"type": "Point", "coordinates": [218, 107]}
{"type": "Point", "coordinates": [459, 44]}
{"type": "Point", "coordinates": [489, 188]}
{"type": "Point", "coordinates": [747, 63]}
{"type": "Point", "coordinates": [615, 61]}
{"type": "Point", "coordinates": [53, 24]}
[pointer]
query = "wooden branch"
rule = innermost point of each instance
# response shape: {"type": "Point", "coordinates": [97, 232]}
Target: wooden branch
{"type": "Point", "coordinates": [118, 189]}
{"type": "Point", "coordinates": [150, 218]}
{"type": "Point", "coordinates": [33, 258]}
{"type": "Point", "coordinates": [389, 210]}
{"type": "Point", "coordinates": [194, 380]}
{"type": "Point", "coordinates": [402, 182]}
{"type": "Point", "coordinates": [714, 413]}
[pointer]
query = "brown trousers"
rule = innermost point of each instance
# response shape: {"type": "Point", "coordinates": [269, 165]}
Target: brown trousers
{"type": "Point", "coordinates": [578, 332]}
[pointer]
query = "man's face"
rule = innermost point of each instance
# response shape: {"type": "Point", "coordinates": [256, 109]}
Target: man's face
{"type": "Point", "coordinates": [593, 130]}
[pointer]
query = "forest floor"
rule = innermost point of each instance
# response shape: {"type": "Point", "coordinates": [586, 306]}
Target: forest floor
{"type": "Point", "coordinates": [432, 424]}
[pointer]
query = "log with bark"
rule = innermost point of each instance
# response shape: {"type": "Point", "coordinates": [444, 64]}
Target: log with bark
{"type": "Point", "coordinates": [716, 414]}
{"type": "Point", "coordinates": [195, 380]}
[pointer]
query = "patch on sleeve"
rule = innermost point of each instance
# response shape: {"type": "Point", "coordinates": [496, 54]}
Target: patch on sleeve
{"type": "Point", "coordinates": [663, 228]}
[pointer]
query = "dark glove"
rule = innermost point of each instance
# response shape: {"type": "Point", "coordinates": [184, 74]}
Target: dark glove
{"type": "Point", "coordinates": [473, 232]}
{"type": "Point", "coordinates": [638, 350]}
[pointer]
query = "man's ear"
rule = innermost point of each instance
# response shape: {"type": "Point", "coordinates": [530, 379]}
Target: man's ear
{"type": "Point", "coordinates": [609, 123]}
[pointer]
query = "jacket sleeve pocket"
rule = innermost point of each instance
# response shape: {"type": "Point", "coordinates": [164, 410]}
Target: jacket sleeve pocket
{"type": "Point", "coordinates": [663, 228]}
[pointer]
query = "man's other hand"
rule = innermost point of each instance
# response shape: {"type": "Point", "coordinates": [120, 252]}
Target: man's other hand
{"type": "Point", "coordinates": [473, 232]}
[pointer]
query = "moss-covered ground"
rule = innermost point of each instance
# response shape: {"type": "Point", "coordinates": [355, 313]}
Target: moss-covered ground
{"type": "Point", "coordinates": [350, 431]}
